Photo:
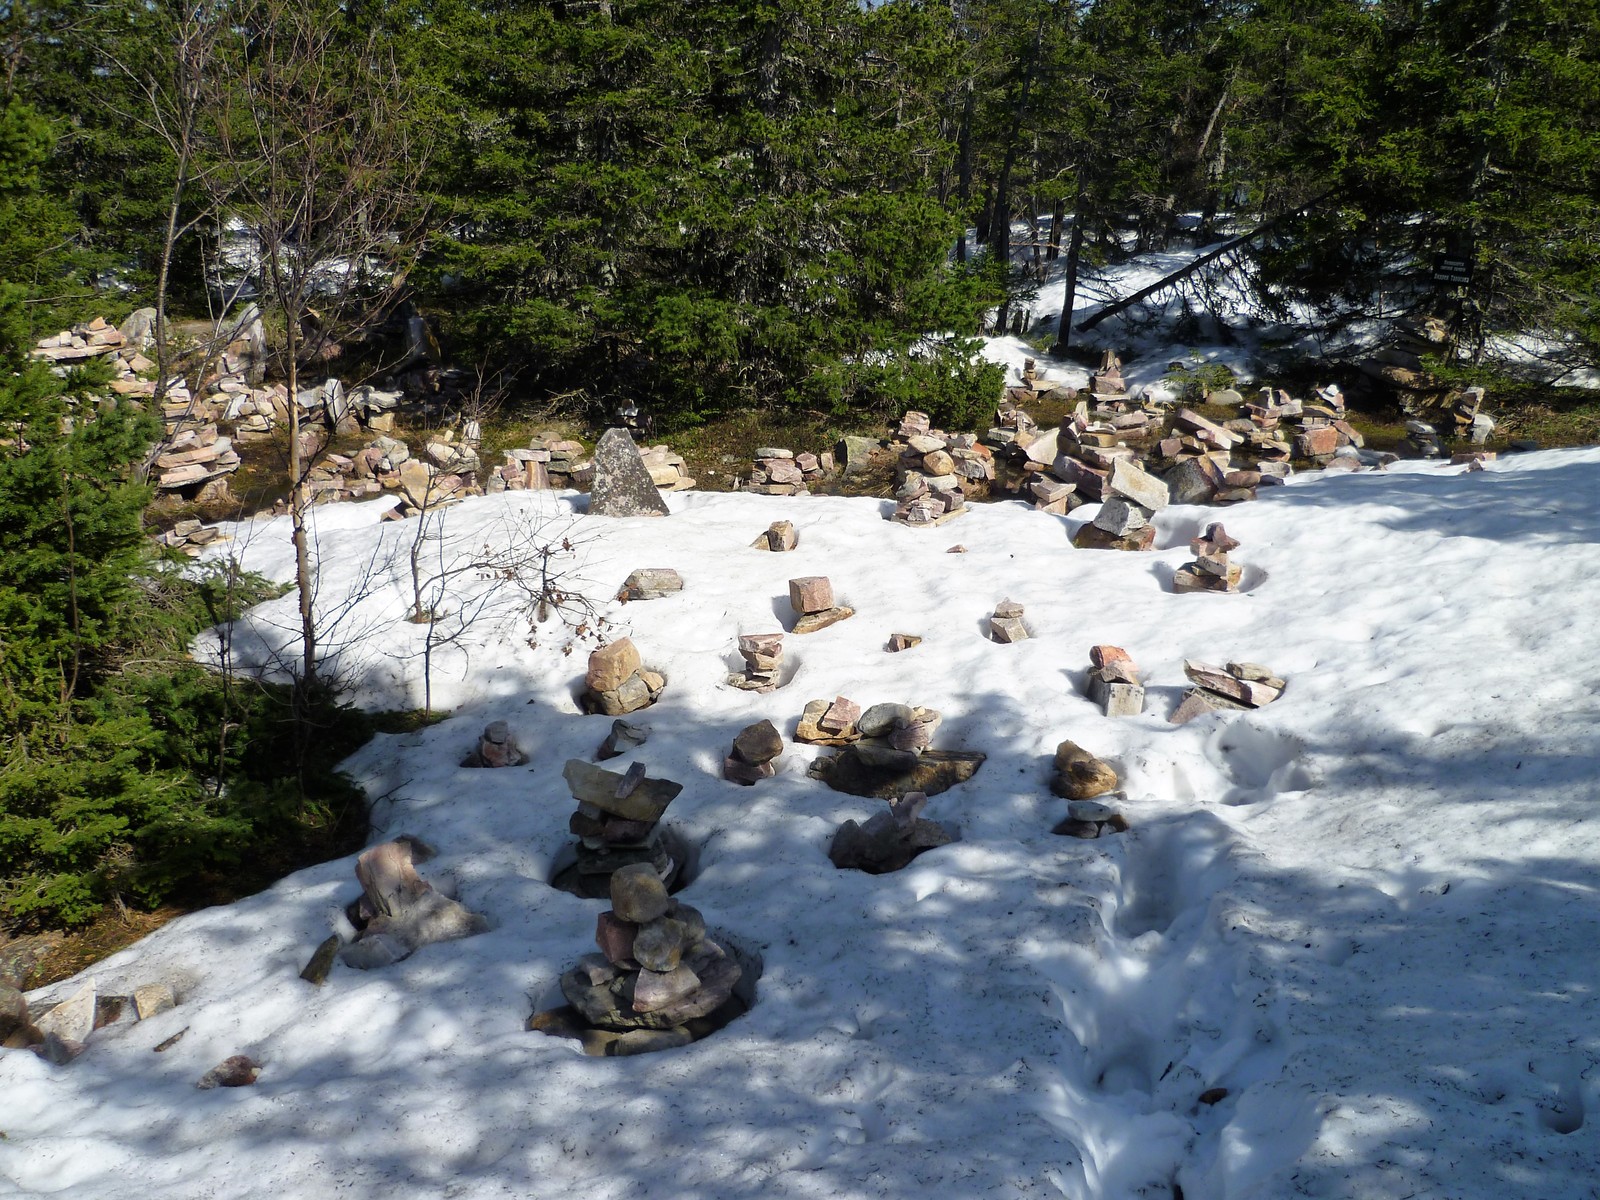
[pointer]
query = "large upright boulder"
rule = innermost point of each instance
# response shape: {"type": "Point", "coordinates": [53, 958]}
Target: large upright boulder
{"type": "Point", "coordinates": [622, 483]}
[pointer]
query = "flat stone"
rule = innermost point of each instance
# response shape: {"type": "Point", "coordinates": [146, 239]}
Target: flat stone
{"type": "Point", "coordinates": [1190, 578]}
{"type": "Point", "coordinates": [841, 715]}
{"type": "Point", "coordinates": [651, 583]}
{"type": "Point", "coordinates": [1007, 630]}
{"type": "Point", "coordinates": [315, 973]}
{"type": "Point", "coordinates": [1129, 480]}
{"type": "Point", "coordinates": [1113, 660]}
{"type": "Point", "coordinates": [736, 770]}
{"type": "Point", "coordinates": [879, 847]}
{"type": "Point", "coordinates": [622, 484]}
{"type": "Point", "coordinates": [1197, 702]}
{"type": "Point", "coordinates": [811, 594]}
{"type": "Point", "coordinates": [772, 452]}
{"type": "Point", "coordinates": [813, 621]}
{"type": "Point", "coordinates": [932, 772]}
{"type": "Point", "coordinates": [1092, 537]}
{"type": "Point", "coordinates": [598, 786]}
{"type": "Point", "coordinates": [637, 894]}
{"type": "Point", "coordinates": [610, 665]}
{"type": "Point", "coordinates": [1071, 827]}
{"type": "Point", "coordinates": [880, 719]}
{"type": "Point", "coordinates": [1219, 681]}
{"type": "Point", "coordinates": [1256, 673]}
{"type": "Point", "coordinates": [1090, 810]}
{"type": "Point", "coordinates": [643, 1041]}
{"type": "Point", "coordinates": [758, 743]}
{"type": "Point", "coordinates": [562, 1022]}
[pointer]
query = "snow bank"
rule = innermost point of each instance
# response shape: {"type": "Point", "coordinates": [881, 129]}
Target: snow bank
{"type": "Point", "coordinates": [1366, 912]}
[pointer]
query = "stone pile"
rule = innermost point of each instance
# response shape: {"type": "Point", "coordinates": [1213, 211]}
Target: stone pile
{"type": "Point", "coordinates": [763, 661]}
{"type": "Point", "coordinates": [423, 487]}
{"type": "Point", "coordinates": [1132, 497]}
{"type": "Point", "coordinates": [1090, 819]}
{"type": "Point", "coordinates": [190, 537]}
{"type": "Point", "coordinates": [399, 912]}
{"type": "Point", "coordinates": [617, 681]}
{"type": "Point", "coordinates": [1210, 571]}
{"type": "Point", "coordinates": [1012, 425]}
{"type": "Point", "coordinates": [1114, 682]}
{"type": "Point", "coordinates": [1006, 625]}
{"type": "Point", "coordinates": [1424, 440]}
{"type": "Point", "coordinates": [936, 471]}
{"type": "Point", "coordinates": [888, 750]}
{"type": "Point", "coordinates": [922, 505]}
{"type": "Point", "coordinates": [779, 537]}
{"type": "Point", "coordinates": [548, 461]}
{"type": "Point", "coordinates": [497, 747]}
{"type": "Point", "coordinates": [829, 723]}
{"type": "Point", "coordinates": [650, 583]}
{"type": "Point", "coordinates": [811, 597]}
{"type": "Point", "coordinates": [755, 754]}
{"type": "Point", "coordinates": [618, 826]}
{"type": "Point", "coordinates": [659, 981]}
{"type": "Point", "coordinates": [780, 472]}
{"type": "Point", "coordinates": [1107, 382]}
{"type": "Point", "coordinates": [194, 457]}
{"type": "Point", "coordinates": [667, 470]}
{"type": "Point", "coordinates": [888, 840]}
{"type": "Point", "coordinates": [1236, 686]}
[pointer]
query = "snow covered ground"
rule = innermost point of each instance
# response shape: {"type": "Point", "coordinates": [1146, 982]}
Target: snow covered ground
{"type": "Point", "coordinates": [1368, 912]}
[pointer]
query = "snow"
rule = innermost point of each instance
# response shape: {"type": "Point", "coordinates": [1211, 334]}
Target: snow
{"type": "Point", "coordinates": [1367, 911]}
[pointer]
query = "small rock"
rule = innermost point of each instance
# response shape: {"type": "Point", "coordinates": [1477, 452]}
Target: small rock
{"type": "Point", "coordinates": [315, 972]}
{"type": "Point", "coordinates": [610, 666]}
{"type": "Point", "coordinates": [650, 583]}
{"type": "Point", "coordinates": [615, 937]}
{"type": "Point", "coordinates": [902, 641]}
{"type": "Point", "coordinates": [880, 719]}
{"type": "Point", "coordinates": [1007, 629]}
{"type": "Point", "coordinates": [814, 621]}
{"type": "Point", "coordinates": [238, 1071]}
{"type": "Point", "coordinates": [1077, 829]}
{"type": "Point", "coordinates": [758, 743]}
{"type": "Point", "coordinates": [657, 989]}
{"type": "Point", "coordinates": [624, 736]}
{"type": "Point", "coordinates": [659, 945]}
{"type": "Point", "coordinates": [1079, 775]}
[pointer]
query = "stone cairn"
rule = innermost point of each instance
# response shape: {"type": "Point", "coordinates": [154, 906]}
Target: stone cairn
{"type": "Point", "coordinates": [497, 747]}
{"type": "Point", "coordinates": [658, 982]}
{"type": "Point", "coordinates": [650, 583]}
{"type": "Point", "coordinates": [1234, 687]}
{"type": "Point", "coordinates": [399, 912]}
{"type": "Point", "coordinates": [191, 537]}
{"type": "Point", "coordinates": [1132, 497]}
{"type": "Point", "coordinates": [763, 661]}
{"type": "Point", "coordinates": [754, 755]}
{"type": "Point", "coordinates": [1006, 625]}
{"type": "Point", "coordinates": [423, 483]}
{"type": "Point", "coordinates": [779, 537]}
{"type": "Point", "coordinates": [59, 1032]}
{"type": "Point", "coordinates": [888, 840]}
{"type": "Point", "coordinates": [888, 749]}
{"type": "Point", "coordinates": [617, 682]}
{"type": "Point", "coordinates": [811, 597]}
{"type": "Point", "coordinates": [936, 471]}
{"type": "Point", "coordinates": [1079, 778]}
{"type": "Point", "coordinates": [1210, 571]}
{"type": "Point", "coordinates": [781, 472]}
{"type": "Point", "coordinates": [1114, 682]}
{"type": "Point", "coordinates": [618, 825]}
{"type": "Point", "coordinates": [194, 458]}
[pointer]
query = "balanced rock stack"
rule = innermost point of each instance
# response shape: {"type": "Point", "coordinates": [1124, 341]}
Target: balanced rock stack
{"type": "Point", "coordinates": [1012, 426]}
{"type": "Point", "coordinates": [763, 660]}
{"type": "Point", "coordinates": [658, 982]}
{"type": "Point", "coordinates": [497, 747]}
{"type": "Point", "coordinates": [1210, 571]}
{"type": "Point", "coordinates": [1114, 682]}
{"type": "Point", "coordinates": [1090, 819]}
{"type": "Point", "coordinates": [1006, 625]}
{"type": "Point", "coordinates": [562, 462]}
{"type": "Point", "coordinates": [888, 840]}
{"type": "Point", "coordinates": [920, 503]}
{"type": "Point", "coordinates": [193, 458]}
{"type": "Point", "coordinates": [1132, 498]}
{"type": "Point", "coordinates": [399, 911]}
{"type": "Point", "coordinates": [888, 752]}
{"type": "Point", "coordinates": [1107, 382]}
{"type": "Point", "coordinates": [1237, 686]}
{"type": "Point", "coordinates": [385, 463]}
{"type": "Point", "coordinates": [617, 825]}
{"type": "Point", "coordinates": [618, 683]}
{"type": "Point", "coordinates": [811, 597]}
{"type": "Point", "coordinates": [829, 723]}
{"type": "Point", "coordinates": [190, 537]}
{"type": "Point", "coordinates": [780, 537]}
{"type": "Point", "coordinates": [1424, 439]}
{"type": "Point", "coordinates": [780, 472]}
{"type": "Point", "coordinates": [650, 583]}
{"type": "Point", "coordinates": [755, 754]}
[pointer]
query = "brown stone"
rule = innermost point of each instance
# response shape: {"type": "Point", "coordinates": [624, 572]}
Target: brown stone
{"type": "Point", "coordinates": [812, 622]}
{"type": "Point", "coordinates": [1079, 775]}
{"type": "Point", "coordinates": [615, 936]}
{"type": "Point", "coordinates": [932, 771]}
{"type": "Point", "coordinates": [811, 594]}
{"type": "Point", "coordinates": [637, 894]}
{"type": "Point", "coordinates": [610, 665]}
